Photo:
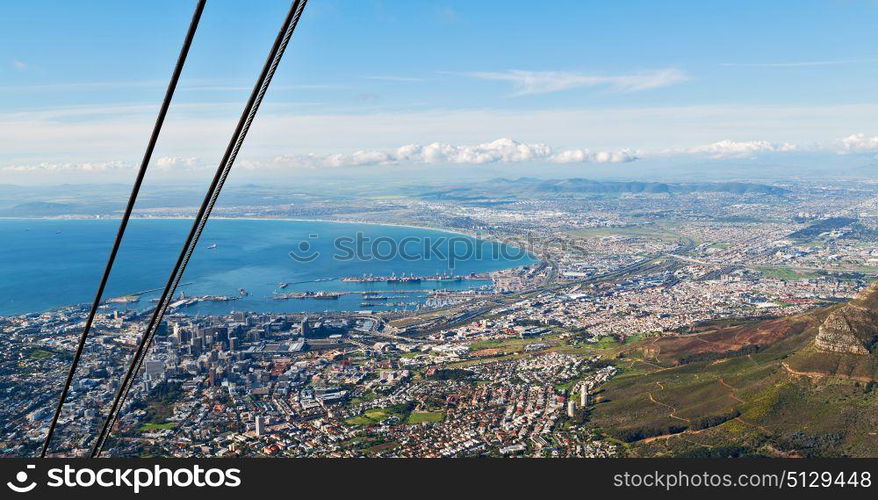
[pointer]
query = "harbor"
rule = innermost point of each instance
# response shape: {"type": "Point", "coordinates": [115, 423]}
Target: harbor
{"type": "Point", "coordinates": [371, 295]}
{"type": "Point", "coordinates": [404, 278]}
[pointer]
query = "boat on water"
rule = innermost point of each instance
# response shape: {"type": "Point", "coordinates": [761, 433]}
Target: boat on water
{"type": "Point", "coordinates": [243, 292]}
{"type": "Point", "coordinates": [282, 285]}
{"type": "Point", "coordinates": [308, 295]}
{"type": "Point", "coordinates": [211, 246]}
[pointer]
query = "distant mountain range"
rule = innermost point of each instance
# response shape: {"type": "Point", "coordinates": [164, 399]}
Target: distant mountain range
{"type": "Point", "coordinates": [47, 201]}
{"type": "Point", "coordinates": [532, 186]}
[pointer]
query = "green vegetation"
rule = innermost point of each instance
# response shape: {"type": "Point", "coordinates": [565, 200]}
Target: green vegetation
{"type": "Point", "coordinates": [363, 399]}
{"type": "Point", "coordinates": [786, 273]}
{"type": "Point", "coordinates": [743, 401]}
{"type": "Point", "coordinates": [159, 404]}
{"type": "Point", "coordinates": [471, 362]}
{"type": "Point", "coordinates": [613, 342]}
{"type": "Point", "coordinates": [375, 416]}
{"type": "Point", "coordinates": [645, 231]}
{"type": "Point", "coordinates": [513, 345]}
{"type": "Point", "coordinates": [38, 354]}
{"type": "Point", "coordinates": [152, 427]}
{"type": "Point", "coordinates": [420, 417]}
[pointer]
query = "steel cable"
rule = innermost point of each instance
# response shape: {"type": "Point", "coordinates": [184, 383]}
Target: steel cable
{"type": "Point", "coordinates": [223, 169]}
{"type": "Point", "coordinates": [126, 216]}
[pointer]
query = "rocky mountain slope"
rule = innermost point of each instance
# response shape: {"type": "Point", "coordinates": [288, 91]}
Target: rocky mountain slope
{"type": "Point", "coordinates": [853, 327]}
{"type": "Point", "coordinates": [805, 385]}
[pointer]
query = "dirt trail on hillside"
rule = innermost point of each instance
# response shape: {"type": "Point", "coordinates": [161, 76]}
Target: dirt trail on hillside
{"type": "Point", "coordinates": [819, 375]}
{"type": "Point", "coordinates": [673, 410]}
{"type": "Point", "coordinates": [733, 391]}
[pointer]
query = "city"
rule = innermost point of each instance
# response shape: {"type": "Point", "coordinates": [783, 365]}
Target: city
{"type": "Point", "coordinates": [242, 239]}
{"type": "Point", "coordinates": [515, 368]}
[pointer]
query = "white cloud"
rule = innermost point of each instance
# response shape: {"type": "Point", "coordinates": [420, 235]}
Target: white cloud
{"type": "Point", "coordinates": [737, 149]}
{"type": "Point", "coordinates": [69, 167]}
{"type": "Point", "coordinates": [91, 134]}
{"type": "Point", "coordinates": [586, 156]}
{"type": "Point", "coordinates": [859, 143]}
{"type": "Point", "coordinates": [499, 151]}
{"type": "Point", "coordinates": [173, 162]}
{"type": "Point", "coordinates": [502, 150]}
{"type": "Point", "coordinates": [165, 163]}
{"type": "Point", "coordinates": [543, 82]}
{"type": "Point", "coordinates": [76, 134]}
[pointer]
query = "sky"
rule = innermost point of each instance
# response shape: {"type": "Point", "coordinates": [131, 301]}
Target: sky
{"type": "Point", "coordinates": [595, 88]}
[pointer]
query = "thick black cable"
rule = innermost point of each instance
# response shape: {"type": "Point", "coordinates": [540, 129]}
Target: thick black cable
{"type": "Point", "coordinates": [135, 190]}
{"type": "Point", "coordinates": [223, 169]}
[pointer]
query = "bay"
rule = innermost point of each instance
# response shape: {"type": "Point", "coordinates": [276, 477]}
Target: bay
{"type": "Point", "coordinates": [50, 263]}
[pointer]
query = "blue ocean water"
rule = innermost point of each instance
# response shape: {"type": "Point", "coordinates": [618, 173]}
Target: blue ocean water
{"type": "Point", "coordinates": [45, 264]}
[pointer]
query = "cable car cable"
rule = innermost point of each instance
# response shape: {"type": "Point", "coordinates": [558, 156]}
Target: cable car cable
{"type": "Point", "coordinates": [126, 216]}
{"type": "Point", "coordinates": [223, 169]}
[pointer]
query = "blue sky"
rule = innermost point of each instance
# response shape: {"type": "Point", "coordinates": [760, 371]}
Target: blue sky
{"type": "Point", "coordinates": [597, 85]}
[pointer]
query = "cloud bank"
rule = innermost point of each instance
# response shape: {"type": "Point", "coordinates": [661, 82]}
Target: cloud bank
{"type": "Point", "coordinates": [543, 82]}
{"type": "Point", "coordinates": [498, 152]}
{"type": "Point", "coordinates": [738, 149]}
{"type": "Point", "coordinates": [98, 167]}
{"type": "Point", "coordinates": [859, 143]}
{"type": "Point", "coordinates": [503, 150]}
{"type": "Point", "coordinates": [586, 156]}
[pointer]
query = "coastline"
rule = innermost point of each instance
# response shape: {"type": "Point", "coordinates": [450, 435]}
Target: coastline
{"type": "Point", "coordinates": [458, 232]}
{"type": "Point", "coordinates": [290, 219]}
{"type": "Point", "coordinates": [437, 231]}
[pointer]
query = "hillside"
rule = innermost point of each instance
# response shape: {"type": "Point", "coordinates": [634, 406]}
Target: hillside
{"type": "Point", "coordinates": [531, 187]}
{"type": "Point", "coordinates": [796, 386]}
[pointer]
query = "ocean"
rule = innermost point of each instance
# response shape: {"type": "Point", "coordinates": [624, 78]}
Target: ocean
{"type": "Point", "coordinates": [47, 264]}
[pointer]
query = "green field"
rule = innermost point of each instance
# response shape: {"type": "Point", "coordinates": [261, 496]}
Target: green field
{"type": "Point", "coordinates": [38, 354]}
{"type": "Point", "coordinates": [375, 416]}
{"type": "Point", "coordinates": [645, 231]}
{"type": "Point", "coordinates": [786, 273]}
{"type": "Point", "coordinates": [512, 345]}
{"type": "Point", "coordinates": [420, 417]}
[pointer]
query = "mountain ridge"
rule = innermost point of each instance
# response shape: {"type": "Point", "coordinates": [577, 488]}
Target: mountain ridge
{"type": "Point", "coordinates": [801, 385]}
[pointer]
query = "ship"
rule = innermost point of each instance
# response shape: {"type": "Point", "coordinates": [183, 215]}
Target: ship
{"type": "Point", "coordinates": [374, 296]}
{"type": "Point", "coordinates": [282, 285]}
{"type": "Point", "coordinates": [362, 279]}
{"type": "Point", "coordinates": [211, 246]}
{"type": "Point", "coordinates": [243, 292]}
{"type": "Point", "coordinates": [308, 295]}
{"type": "Point", "coordinates": [402, 278]}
